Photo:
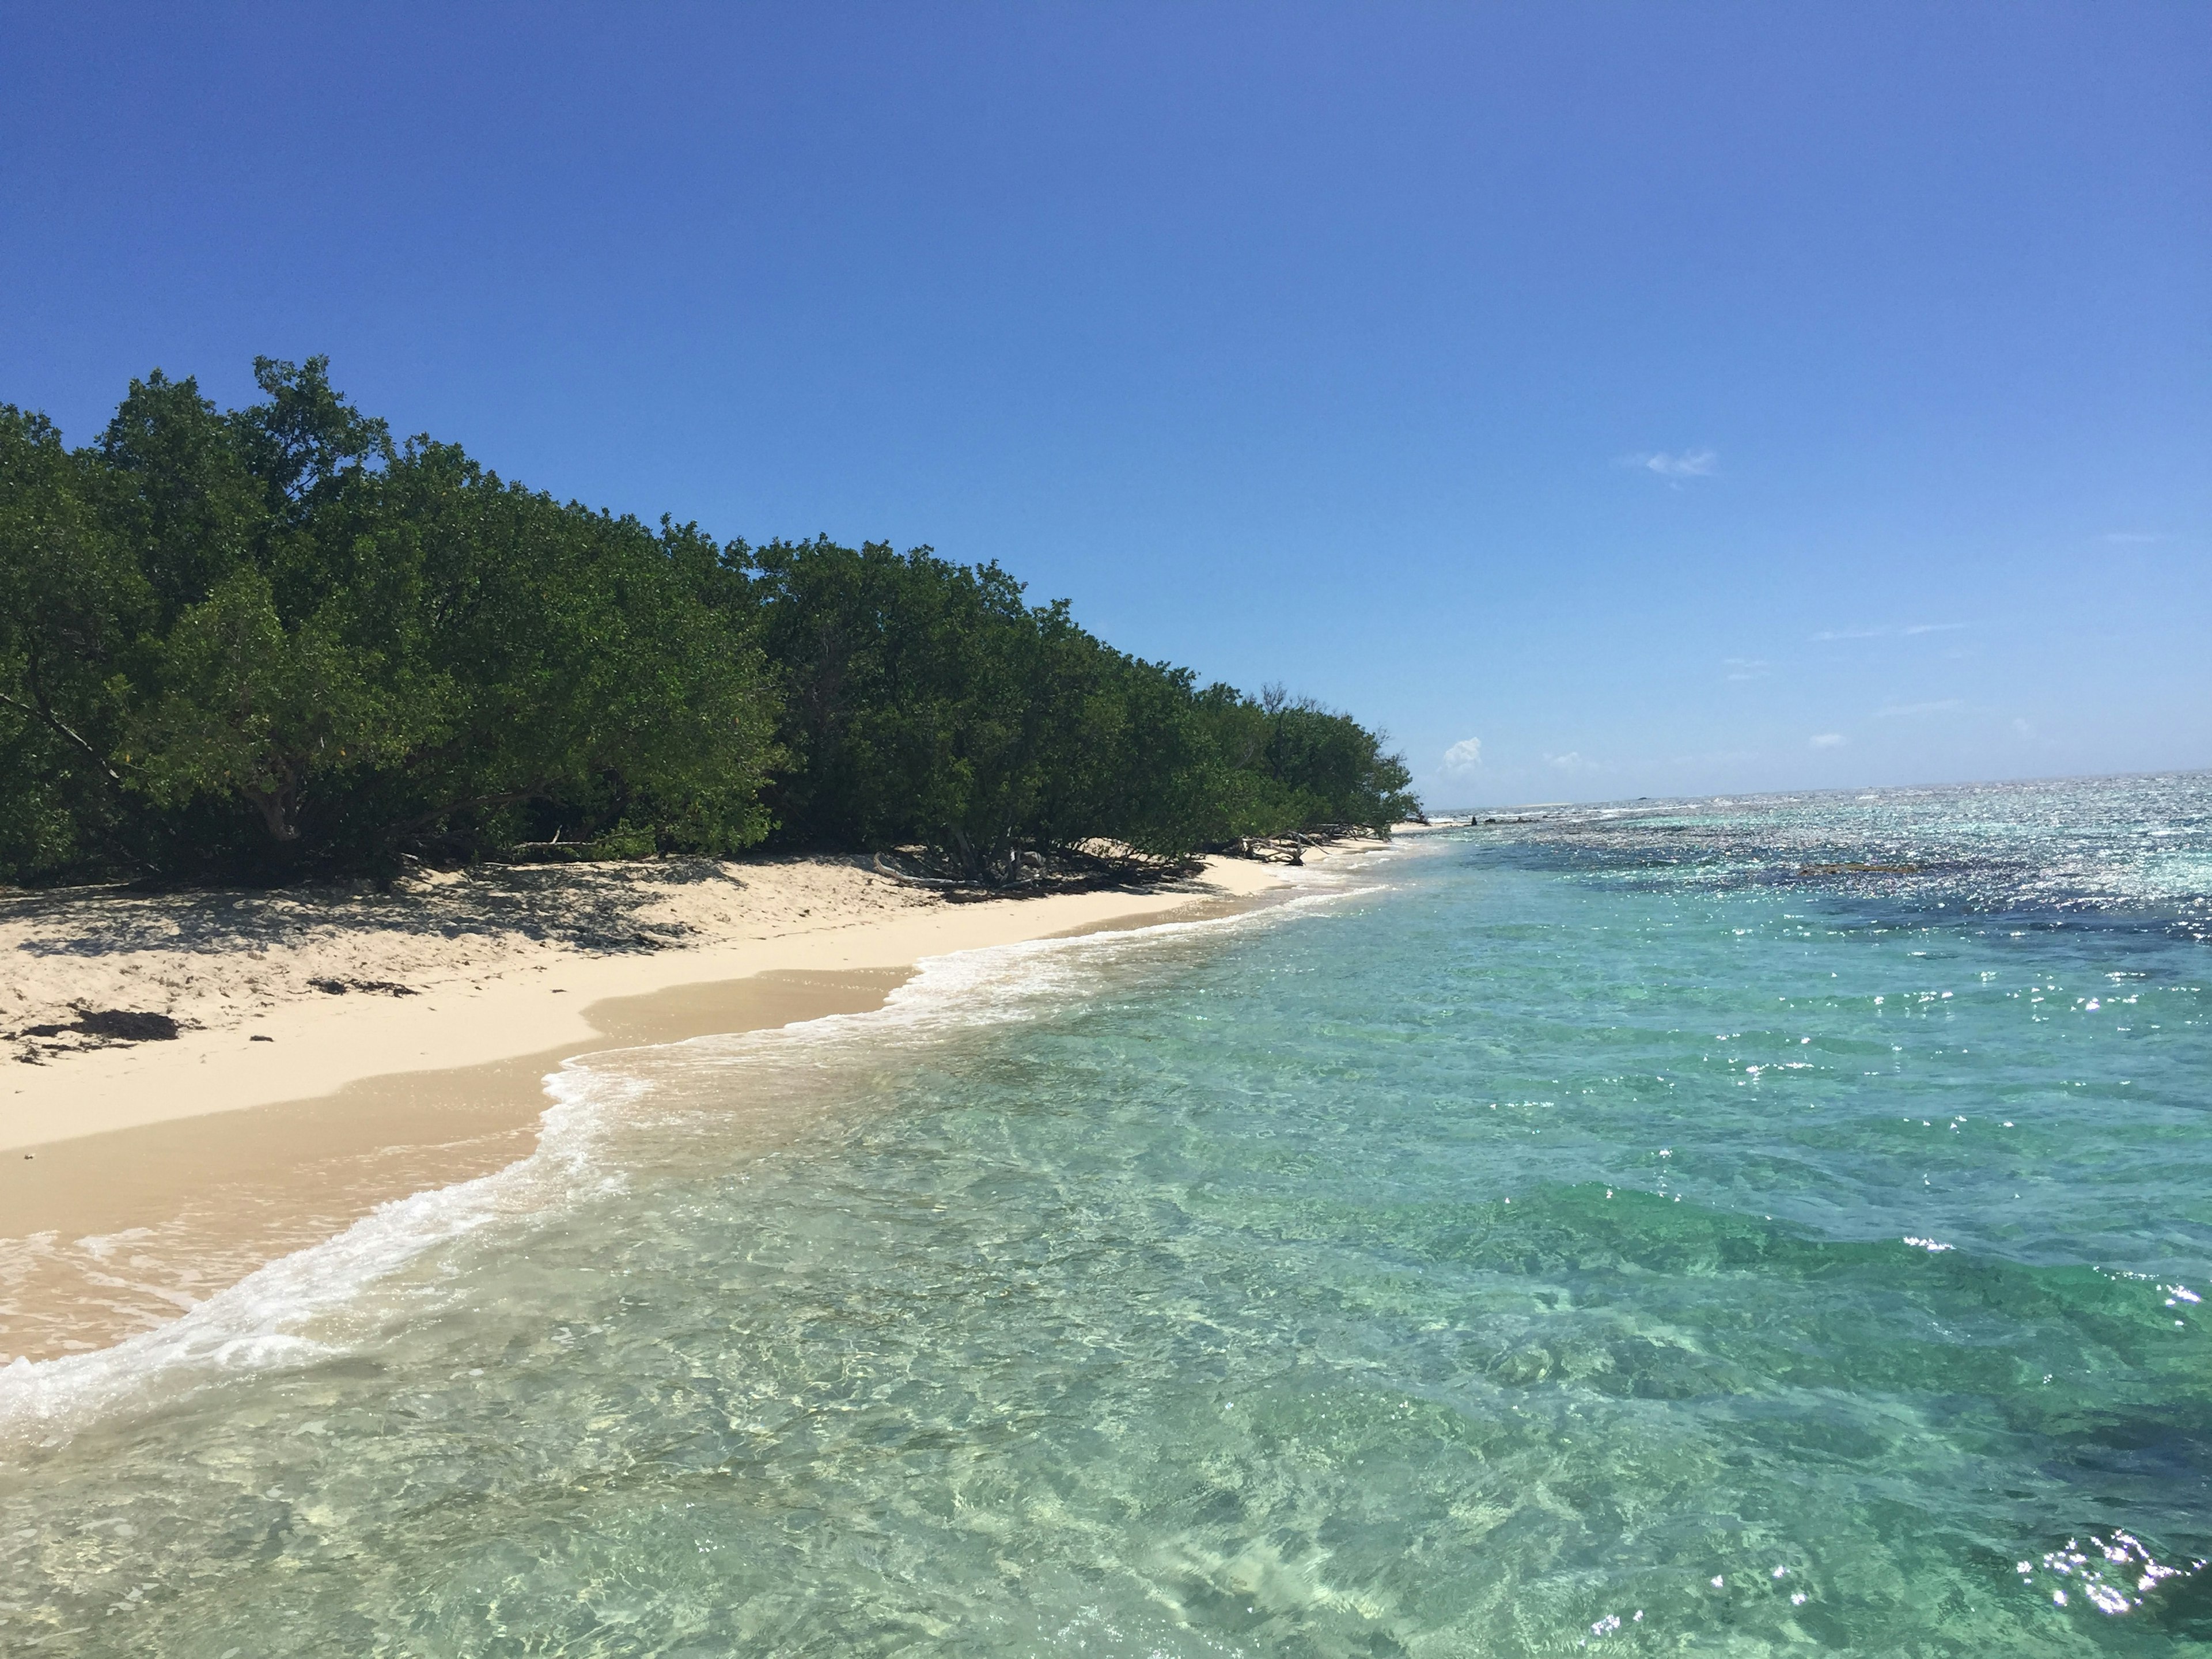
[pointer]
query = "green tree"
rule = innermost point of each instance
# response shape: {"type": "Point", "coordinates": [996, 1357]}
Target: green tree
{"type": "Point", "coordinates": [272, 640]}
{"type": "Point", "coordinates": [250, 707]}
{"type": "Point", "coordinates": [76, 601]}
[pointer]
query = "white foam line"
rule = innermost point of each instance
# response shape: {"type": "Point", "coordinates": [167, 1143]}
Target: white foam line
{"type": "Point", "coordinates": [261, 1323]}
{"type": "Point", "coordinates": [256, 1324]}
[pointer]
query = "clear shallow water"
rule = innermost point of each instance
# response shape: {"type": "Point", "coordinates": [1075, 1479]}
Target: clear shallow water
{"type": "Point", "coordinates": [1568, 1221]}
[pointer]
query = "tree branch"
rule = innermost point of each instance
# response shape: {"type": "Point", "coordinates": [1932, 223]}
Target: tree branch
{"type": "Point", "coordinates": [46, 718]}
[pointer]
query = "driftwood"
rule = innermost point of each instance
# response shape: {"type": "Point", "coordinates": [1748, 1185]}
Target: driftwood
{"type": "Point", "coordinates": [899, 876]}
{"type": "Point", "coordinates": [1290, 847]}
{"type": "Point", "coordinates": [1027, 872]}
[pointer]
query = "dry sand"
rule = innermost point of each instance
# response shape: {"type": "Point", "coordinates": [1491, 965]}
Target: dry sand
{"type": "Point", "coordinates": [342, 1048]}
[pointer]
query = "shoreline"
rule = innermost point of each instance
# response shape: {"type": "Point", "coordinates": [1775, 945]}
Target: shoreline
{"type": "Point", "coordinates": [295, 1044]}
{"type": "Point", "coordinates": [136, 1181]}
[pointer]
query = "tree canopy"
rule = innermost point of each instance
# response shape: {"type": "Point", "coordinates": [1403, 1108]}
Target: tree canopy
{"type": "Point", "coordinates": [271, 640]}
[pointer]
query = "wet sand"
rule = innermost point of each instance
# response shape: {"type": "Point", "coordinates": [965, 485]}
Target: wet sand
{"type": "Point", "coordinates": [114, 1233]}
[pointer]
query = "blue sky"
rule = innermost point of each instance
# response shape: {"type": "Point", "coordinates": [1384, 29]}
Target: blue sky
{"type": "Point", "coordinates": [1624, 399]}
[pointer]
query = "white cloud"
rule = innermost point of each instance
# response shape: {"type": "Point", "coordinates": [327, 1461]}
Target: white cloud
{"type": "Point", "coordinates": [1946, 706]}
{"type": "Point", "coordinates": [1463, 756]}
{"type": "Point", "coordinates": [1830, 740]}
{"type": "Point", "coordinates": [1688, 464]}
{"type": "Point", "coordinates": [1746, 668]}
{"type": "Point", "coordinates": [1571, 762]}
{"type": "Point", "coordinates": [1937, 627]}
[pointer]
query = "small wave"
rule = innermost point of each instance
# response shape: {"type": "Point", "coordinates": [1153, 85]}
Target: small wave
{"type": "Point", "coordinates": [264, 1320]}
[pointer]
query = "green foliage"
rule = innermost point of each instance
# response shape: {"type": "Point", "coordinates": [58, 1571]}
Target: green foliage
{"type": "Point", "coordinates": [250, 707]}
{"type": "Point", "coordinates": [269, 640]}
{"type": "Point", "coordinates": [266, 642]}
{"type": "Point", "coordinates": [77, 602]}
{"type": "Point", "coordinates": [924, 701]}
{"type": "Point", "coordinates": [1305, 765]}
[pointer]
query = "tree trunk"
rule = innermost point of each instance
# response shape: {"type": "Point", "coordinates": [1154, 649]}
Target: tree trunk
{"type": "Point", "coordinates": [272, 805]}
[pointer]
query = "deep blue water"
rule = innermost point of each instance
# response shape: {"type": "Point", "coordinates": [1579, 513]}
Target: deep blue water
{"type": "Point", "coordinates": [1624, 1231]}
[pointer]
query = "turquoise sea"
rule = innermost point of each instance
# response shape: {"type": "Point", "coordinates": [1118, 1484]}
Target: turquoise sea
{"type": "Point", "coordinates": [1624, 1230]}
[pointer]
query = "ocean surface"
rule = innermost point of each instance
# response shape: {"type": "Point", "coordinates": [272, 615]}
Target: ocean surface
{"type": "Point", "coordinates": [1765, 1226]}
